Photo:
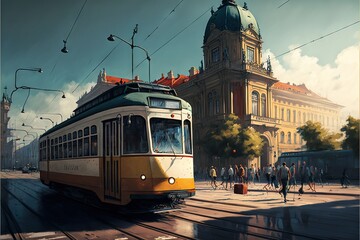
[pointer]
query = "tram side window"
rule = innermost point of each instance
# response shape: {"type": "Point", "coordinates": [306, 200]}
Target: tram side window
{"type": "Point", "coordinates": [94, 145]}
{"type": "Point", "coordinates": [52, 149]}
{"type": "Point", "coordinates": [86, 142]}
{"type": "Point", "coordinates": [187, 137]}
{"type": "Point", "coordinates": [80, 143]}
{"type": "Point", "coordinates": [56, 149]}
{"type": "Point", "coordinates": [135, 138]}
{"type": "Point", "coordinates": [60, 148]}
{"type": "Point", "coordinates": [65, 146]}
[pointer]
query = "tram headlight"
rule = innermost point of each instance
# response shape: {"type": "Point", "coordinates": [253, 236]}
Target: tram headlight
{"type": "Point", "coordinates": [171, 180]}
{"type": "Point", "coordinates": [143, 177]}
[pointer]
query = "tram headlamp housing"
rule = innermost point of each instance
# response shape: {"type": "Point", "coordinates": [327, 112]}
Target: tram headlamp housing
{"type": "Point", "coordinates": [171, 180]}
{"type": "Point", "coordinates": [143, 177]}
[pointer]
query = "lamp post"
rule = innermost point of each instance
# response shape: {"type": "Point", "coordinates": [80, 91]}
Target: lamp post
{"type": "Point", "coordinates": [26, 69]}
{"type": "Point", "coordinates": [24, 125]}
{"type": "Point", "coordinates": [44, 118]}
{"type": "Point", "coordinates": [34, 88]}
{"type": "Point", "coordinates": [58, 114]}
{"type": "Point", "coordinates": [112, 38]}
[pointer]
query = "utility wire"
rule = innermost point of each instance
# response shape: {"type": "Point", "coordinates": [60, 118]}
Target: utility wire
{"type": "Point", "coordinates": [164, 19]}
{"type": "Point", "coordinates": [72, 27]}
{"type": "Point", "coordinates": [96, 67]}
{"type": "Point", "coordinates": [319, 38]}
{"type": "Point", "coordinates": [177, 34]}
{"type": "Point", "coordinates": [283, 4]}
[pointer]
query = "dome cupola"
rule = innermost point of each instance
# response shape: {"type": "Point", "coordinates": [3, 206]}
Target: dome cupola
{"type": "Point", "coordinates": [231, 17]}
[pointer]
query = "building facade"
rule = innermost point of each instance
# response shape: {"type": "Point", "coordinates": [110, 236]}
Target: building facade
{"type": "Point", "coordinates": [232, 79]}
{"type": "Point", "coordinates": [5, 147]}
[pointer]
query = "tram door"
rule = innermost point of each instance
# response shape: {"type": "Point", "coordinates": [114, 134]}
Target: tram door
{"type": "Point", "coordinates": [112, 180]}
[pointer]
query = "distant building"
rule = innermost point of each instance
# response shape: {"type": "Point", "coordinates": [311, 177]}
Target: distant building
{"type": "Point", "coordinates": [103, 84]}
{"type": "Point", "coordinates": [232, 79]}
{"type": "Point", "coordinates": [5, 147]}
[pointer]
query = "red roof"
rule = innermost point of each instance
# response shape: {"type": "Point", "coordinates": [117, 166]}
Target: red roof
{"type": "Point", "coordinates": [114, 80]}
{"type": "Point", "coordinates": [172, 82]}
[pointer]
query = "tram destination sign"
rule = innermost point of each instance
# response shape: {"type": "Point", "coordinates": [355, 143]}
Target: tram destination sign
{"type": "Point", "coordinates": [165, 103]}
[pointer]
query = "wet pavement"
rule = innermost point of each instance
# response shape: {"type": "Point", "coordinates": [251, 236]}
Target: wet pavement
{"type": "Point", "coordinates": [332, 212]}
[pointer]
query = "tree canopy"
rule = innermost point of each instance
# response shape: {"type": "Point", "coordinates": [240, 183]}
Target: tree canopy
{"type": "Point", "coordinates": [318, 138]}
{"type": "Point", "coordinates": [351, 130]}
{"type": "Point", "coordinates": [229, 139]}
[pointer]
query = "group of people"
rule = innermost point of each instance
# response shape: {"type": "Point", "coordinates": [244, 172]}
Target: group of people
{"type": "Point", "coordinates": [286, 177]}
{"type": "Point", "coordinates": [234, 174]}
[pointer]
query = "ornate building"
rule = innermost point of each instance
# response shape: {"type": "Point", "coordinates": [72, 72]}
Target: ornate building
{"type": "Point", "coordinates": [233, 79]}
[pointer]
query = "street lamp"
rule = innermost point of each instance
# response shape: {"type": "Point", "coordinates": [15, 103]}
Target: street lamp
{"type": "Point", "coordinates": [24, 125]}
{"type": "Point", "coordinates": [44, 118]}
{"type": "Point", "coordinates": [112, 38]}
{"type": "Point", "coordinates": [34, 88]}
{"type": "Point", "coordinates": [59, 114]}
{"type": "Point", "coordinates": [26, 69]}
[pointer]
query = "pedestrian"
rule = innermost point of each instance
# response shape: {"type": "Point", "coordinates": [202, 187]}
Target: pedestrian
{"type": "Point", "coordinates": [252, 174]}
{"type": "Point", "coordinates": [284, 176]}
{"type": "Point", "coordinates": [268, 171]}
{"type": "Point", "coordinates": [303, 177]}
{"type": "Point", "coordinates": [312, 178]}
{"type": "Point", "coordinates": [274, 183]}
{"type": "Point", "coordinates": [222, 175]}
{"type": "Point", "coordinates": [213, 177]}
{"type": "Point", "coordinates": [230, 176]}
{"type": "Point", "coordinates": [236, 173]}
{"type": "Point", "coordinates": [344, 179]}
{"type": "Point", "coordinates": [292, 176]}
{"type": "Point", "coordinates": [241, 173]}
{"type": "Point", "coordinates": [321, 173]}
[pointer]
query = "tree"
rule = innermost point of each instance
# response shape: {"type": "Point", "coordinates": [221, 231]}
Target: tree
{"type": "Point", "coordinates": [229, 139]}
{"type": "Point", "coordinates": [351, 130]}
{"type": "Point", "coordinates": [318, 138]}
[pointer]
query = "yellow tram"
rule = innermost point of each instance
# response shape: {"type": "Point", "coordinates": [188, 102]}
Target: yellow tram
{"type": "Point", "coordinates": [131, 143]}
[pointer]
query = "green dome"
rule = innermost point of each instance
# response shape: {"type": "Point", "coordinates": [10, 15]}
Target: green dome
{"type": "Point", "coordinates": [231, 17]}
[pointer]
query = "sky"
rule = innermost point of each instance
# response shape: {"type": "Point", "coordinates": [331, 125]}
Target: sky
{"type": "Point", "coordinates": [172, 31]}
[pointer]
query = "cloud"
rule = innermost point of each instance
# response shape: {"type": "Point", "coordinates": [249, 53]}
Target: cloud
{"type": "Point", "coordinates": [338, 82]}
{"type": "Point", "coordinates": [42, 103]}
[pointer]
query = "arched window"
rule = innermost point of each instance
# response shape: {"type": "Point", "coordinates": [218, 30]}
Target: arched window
{"type": "Point", "coordinates": [263, 105]}
{"type": "Point", "coordinates": [282, 137]}
{"type": "Point", "coordinates": [289, 138]}
{"type": "Point", "coordinates": [294, 116]}
{"type": "Point", "coordinates": [299, 117]}
{"type": "Point", "coordinates": [304, 117]}
{"type": "Point", "coordinates": [255, 103]}
{"type": "Point", "coordinates": [282, 114]}
{"type": "Point", "coordinates": [295, 140]}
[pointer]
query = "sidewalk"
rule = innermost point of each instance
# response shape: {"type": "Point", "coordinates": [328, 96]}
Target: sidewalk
{"type": "Point", "coordinates": [256, 193]}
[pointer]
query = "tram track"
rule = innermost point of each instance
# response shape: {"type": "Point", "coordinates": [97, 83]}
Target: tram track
{"type": "Point", "coordinates": [156, 232]}
{"type": "Point", "coordinates": [191, 210]}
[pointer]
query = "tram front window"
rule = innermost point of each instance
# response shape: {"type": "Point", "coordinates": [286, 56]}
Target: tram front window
{"type": "Point", "coordinates": [166, 135]}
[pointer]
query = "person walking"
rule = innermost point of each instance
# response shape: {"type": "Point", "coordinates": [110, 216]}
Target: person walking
{"type": "Point", "coordinates": [292, 176]}
{"type": "Point", "coordinates": [284, 175]}
{"type": "Point", "coordinates": [230, 177]}
{"type": "Point", "coordinates": [222, 175]}
{"type": "Point", "coordinates": [213, 177]}
{"type": "Point", "coordinates": [241, 173]}
{"type": "Point", "coordinates": [268, 171]}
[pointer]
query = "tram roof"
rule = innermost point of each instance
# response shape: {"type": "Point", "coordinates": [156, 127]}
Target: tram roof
{"type": "Point", "coordinates": [137, 98]}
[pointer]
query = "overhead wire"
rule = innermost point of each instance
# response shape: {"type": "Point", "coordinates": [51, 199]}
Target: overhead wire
{"type": "Point", "coordinates": [283, 4]}
{"type": "Point", "coordinates": [164, 19]}
{"type": "Point", "coordinates": [177, 34]}
{"type": "Point", "coordinates": [96, 67]}
{"type": "Point", "coordinates": [319, 38]}
{"type": "Point", "coordinates": [77, 17]}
